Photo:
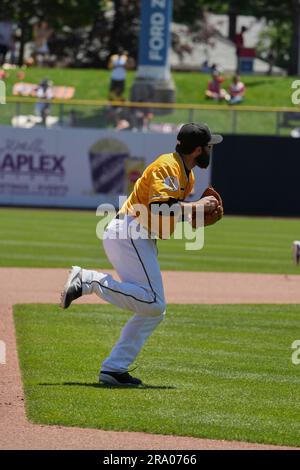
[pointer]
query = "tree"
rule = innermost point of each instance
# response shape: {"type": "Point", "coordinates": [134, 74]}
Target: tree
{"type": "Point", "coordinates": [58, 13]}
{"type": "Point", "coordinates": [124, 31]}
{"type": "Point", "coordinates": [283, 15]}
{"type": "Point", "coordinates": [116, 22]}
{"type": "Point", "coordinates": [274, 43]}
{"type": "Point", "coordinates": [188, 11]}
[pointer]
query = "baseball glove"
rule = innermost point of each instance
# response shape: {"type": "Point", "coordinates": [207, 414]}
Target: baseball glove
{"type": "Point", "coordinates": [210, 191]}
{"type": "Point", "coordinates": [213, 212]}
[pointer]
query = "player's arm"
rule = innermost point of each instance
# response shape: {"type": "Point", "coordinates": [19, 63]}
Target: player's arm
{"type": "Point", "coordinates": [164, 216]}
{"type": "Point", "coordinates": [163, 200]}
{"type": "Point", "coordinates": [182, 208]}
{"type": "Point", "coordinates": [111, 62]}
{"type": "Point", "coordinates": [207, 204]}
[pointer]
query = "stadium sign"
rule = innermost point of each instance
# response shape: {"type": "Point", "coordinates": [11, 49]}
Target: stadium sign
{"type": "Point", "coordinates": [156, 16]}
{"type": "Point", "coordinates": [77, 167]}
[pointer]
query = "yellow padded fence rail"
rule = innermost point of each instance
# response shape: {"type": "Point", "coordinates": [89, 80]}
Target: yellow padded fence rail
{"type": "Point", "coordinates": [130, 104]}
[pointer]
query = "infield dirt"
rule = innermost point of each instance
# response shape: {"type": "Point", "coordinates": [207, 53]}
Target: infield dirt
{"type": "Point", "coordinates": [44, 285]}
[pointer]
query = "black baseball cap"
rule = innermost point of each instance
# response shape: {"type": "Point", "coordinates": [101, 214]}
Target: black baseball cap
{"type": "Point", "coordinates": [194, 135]}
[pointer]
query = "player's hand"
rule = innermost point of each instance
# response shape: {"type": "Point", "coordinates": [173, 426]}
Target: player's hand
{"type": "Point", "coordinates": [213, 217]}
{"type": "Point", "coordinates": [213, 211]}
{"type": "Point", "coordinates": [209, 203]}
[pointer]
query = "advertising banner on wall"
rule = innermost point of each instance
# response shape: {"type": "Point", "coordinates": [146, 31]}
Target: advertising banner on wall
{"type": "Point", "coordinates": [77, 167]}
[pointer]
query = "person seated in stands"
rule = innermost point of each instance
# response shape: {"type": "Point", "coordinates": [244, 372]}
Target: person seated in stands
{"type": "Point", "coordinates": [236, 91]}
{"type": "Point", "coordinates": [214, 90]}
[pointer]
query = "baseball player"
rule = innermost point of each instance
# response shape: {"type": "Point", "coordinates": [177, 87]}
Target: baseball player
{"type": "Point", "coordinates": [167, 181]}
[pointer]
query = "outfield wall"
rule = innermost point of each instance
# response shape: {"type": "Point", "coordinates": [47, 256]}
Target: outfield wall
{"type": "Point", "coordinates": [79, 168]}
{"type": "Point", "coordinates": [258, 175]}
{"type": "Point", "coordinates": [82, 168]}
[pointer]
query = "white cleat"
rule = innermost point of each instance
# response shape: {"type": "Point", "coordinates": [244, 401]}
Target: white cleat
{"type": "Point", "coordinates": [296, 252]}
{"type": "Point", "coordinates": [73, 287]}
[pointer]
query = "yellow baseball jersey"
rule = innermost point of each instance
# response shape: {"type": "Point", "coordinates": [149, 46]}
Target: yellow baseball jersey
{"type": "Point", "coordinates": [164, 179]}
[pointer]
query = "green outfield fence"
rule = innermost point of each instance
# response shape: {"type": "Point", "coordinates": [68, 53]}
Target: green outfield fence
{"type": "Point", "coordinates": [165, 117]}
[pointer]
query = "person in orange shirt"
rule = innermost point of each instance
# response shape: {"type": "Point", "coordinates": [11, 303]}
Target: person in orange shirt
{"type": "Point", "coordinates": [214, 90]}
{"type": "Point", "coordinates": [130, 245]}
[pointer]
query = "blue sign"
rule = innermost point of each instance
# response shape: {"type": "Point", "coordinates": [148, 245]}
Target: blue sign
{"type": "Point", "coordinates": [156, 17]}
{"type": "Point", "coordinates": [246, 64]}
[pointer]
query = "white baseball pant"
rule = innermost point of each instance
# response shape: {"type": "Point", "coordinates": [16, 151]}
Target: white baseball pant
{"type": "Point", "coordinates": [140, 289]}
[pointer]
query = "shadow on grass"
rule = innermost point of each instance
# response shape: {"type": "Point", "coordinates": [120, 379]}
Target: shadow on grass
{"type": "Point", "coordinates": [258, 83]}
{"type": "Point", "coordinates": [99, 385]}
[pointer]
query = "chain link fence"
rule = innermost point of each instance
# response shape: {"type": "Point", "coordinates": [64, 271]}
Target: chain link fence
{"type": "Point", "coordinates": [156, 117]}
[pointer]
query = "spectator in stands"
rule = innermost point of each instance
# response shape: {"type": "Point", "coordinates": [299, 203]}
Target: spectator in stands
{"type": "Point", "coordinates": [239, 38]}
{"type": "Point", "coordinates": [140, 119]}
{"type": "Point", "coordinates": [239, 44]}
{"type": "Point", "coordinates": [118, 65]}
{"type": "Point", "coordinates": [236, 91]}
{"type": "Point", "coordinates": [3, 50]}
{"type": "Point", "coordinates": [41, 34]}
{"type": "Point", "coordinates": [3, 74]}
{"type": "Point", "coordinates": [44, 91]}
{"type": "Point", "coordinates": [123, 125]}
{"type": "Point", "coordinates": [271, 60]}
{"type": "Point", "coordinates": [206, 68]}
{"type": "Point", "coordinates": [5, 39]}
{"type": "Point", "coordinates": [13, 49]}
{"type": "Point", "coordinates": [214, 90]}
{"type": "Point", "coordinates": [215, 68]}
{"type": "Point", "coordinates": [134, 118]}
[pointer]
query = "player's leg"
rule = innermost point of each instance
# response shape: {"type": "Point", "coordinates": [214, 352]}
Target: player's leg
{"type": "Point", "coordinates": [135, 261]}
{"type": "Point", "coordinates": [114, 369]}
{"type": "Point", "coordinates": [143, 268]}
{"type": "Point", "coordinates": [140, 290]}
{"type": "Point", "coordinates": [296, 252]}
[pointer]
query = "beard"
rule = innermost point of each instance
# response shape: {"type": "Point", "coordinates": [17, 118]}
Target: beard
{"type": "Point", "coordinates": [203, 160]}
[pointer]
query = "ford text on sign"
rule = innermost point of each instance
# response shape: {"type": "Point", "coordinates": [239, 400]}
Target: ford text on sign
{"type": "Point", "coordinates": [155, 32]}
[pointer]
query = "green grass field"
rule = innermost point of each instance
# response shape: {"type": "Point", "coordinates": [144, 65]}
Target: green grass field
{"type": "Point", "coordinates": [222, 372]}
{"type": "Point", "coordinates": [94, 84]}
{"type": "Point", "coordinates": [55, 238]}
